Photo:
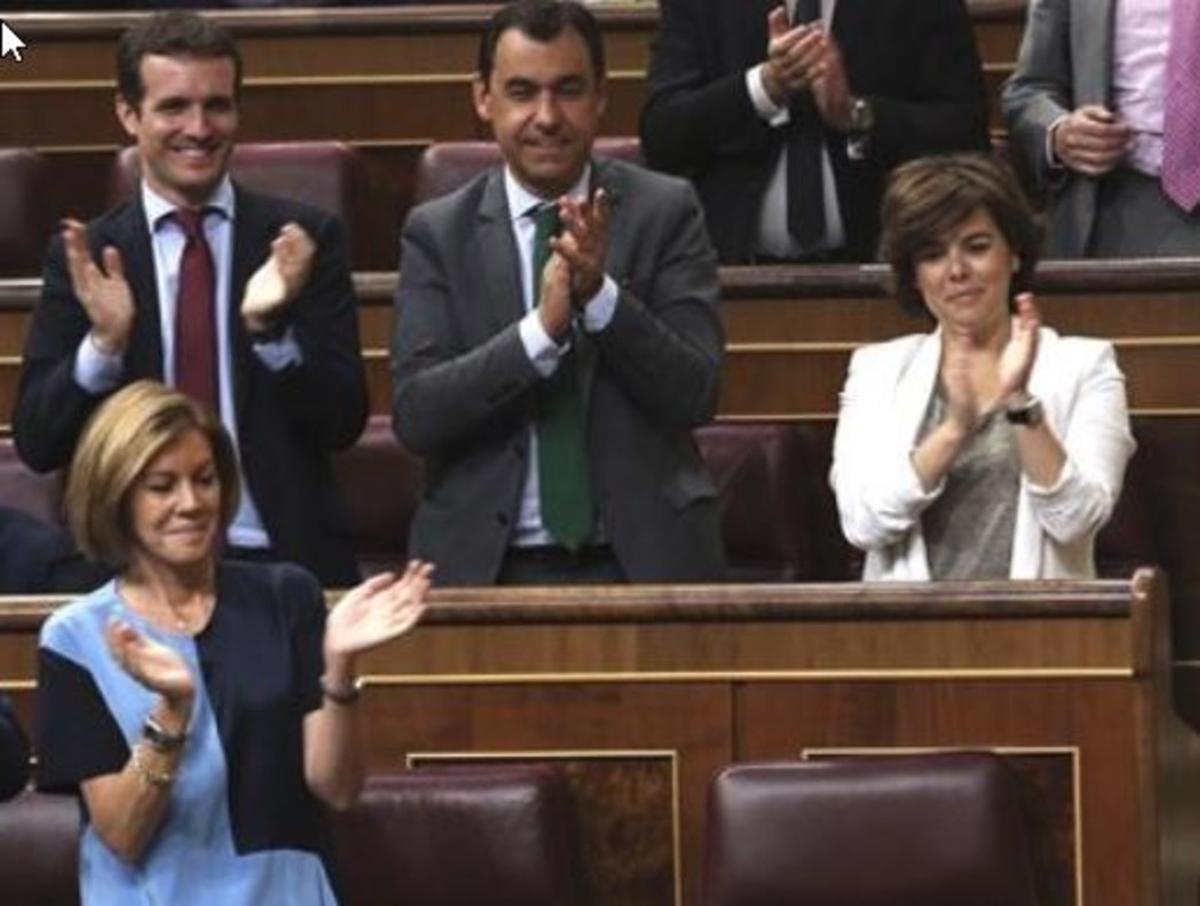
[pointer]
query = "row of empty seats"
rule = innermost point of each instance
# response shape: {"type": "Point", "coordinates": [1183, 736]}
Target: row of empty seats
{"type": "Point", "coordinates": [934, 830]}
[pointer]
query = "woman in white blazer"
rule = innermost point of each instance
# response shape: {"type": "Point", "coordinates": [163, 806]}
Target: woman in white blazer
{"type": "Point", "coordinates": [991, 447]}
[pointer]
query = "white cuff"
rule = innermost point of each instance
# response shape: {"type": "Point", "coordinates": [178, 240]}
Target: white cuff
{"type": "Point", "coordinates": [1052, 160]}
{"type": "Point", "coordinates": [96, 371]}
{"type": "Point", "coordinates": [280, 354]}
{"type": "Point", "coordinates": [543, 352]}
{"type": "Point", "coordinates": [763, 105]}
{"type": "Point", "coordinates": [599, 310]}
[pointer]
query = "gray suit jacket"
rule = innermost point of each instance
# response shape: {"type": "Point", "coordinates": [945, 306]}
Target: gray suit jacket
{"type": "Point", "coordinates": [1065, 61]}
{"type": "Point", "coordinates": [463, 384]}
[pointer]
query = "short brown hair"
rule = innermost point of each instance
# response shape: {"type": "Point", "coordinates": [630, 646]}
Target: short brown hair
{"type": "Point", "coordinates": [120, 440]}
{"type": "Point", "coordinates": [175, 33]}
{"type": "Point", "coordinates": [931, 195]}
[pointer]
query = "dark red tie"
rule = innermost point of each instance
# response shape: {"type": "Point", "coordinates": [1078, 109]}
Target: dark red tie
{"type": "Point", "coordinates": [195, 313]}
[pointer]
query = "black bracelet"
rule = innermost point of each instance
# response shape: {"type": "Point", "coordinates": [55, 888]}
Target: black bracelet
{"type": "Point", "coordinates": [341, 696]}
{"type": "Point", "coordinates": [159, 738]}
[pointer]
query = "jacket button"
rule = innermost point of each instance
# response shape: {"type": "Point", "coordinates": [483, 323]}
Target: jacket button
{"type": "Point", "coordinates": [502, 518]}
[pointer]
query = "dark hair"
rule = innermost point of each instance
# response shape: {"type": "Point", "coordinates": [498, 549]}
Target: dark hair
{"type": "Point", "coordinates": [176, 33]}
{"type": "Point", "coordinates": [931, 195]}
{"type": "Point", "coordinates": [542, 20]}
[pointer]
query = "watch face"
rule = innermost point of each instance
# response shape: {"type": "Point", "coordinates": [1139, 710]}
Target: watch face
{"type": "Point", "coordinates": [861, 115]}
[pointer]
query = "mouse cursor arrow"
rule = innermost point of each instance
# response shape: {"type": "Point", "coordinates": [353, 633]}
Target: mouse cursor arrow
{"type": "Point", "coordinates": [10, 42]}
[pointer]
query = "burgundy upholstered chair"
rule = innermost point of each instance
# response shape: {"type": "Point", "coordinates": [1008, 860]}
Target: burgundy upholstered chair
{"type": "Point", "coordinates": [24, 218]}
{"type": "Point", "coordinates": [326, 174]}
{"type": "Point", "coordinates": [444, 166]}
{"type": "Point", "coordinates": [479, 835]}
{"type": "Point", "coordinates": [39, 850]}
{"type": "Point", "coordinates": [380, 483]}
{"type": "Point", "coordinates": [922, 830]}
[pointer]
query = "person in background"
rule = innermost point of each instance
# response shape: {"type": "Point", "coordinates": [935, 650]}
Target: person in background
{"type": "Point", "coordinates": [992, 447]}
{"type": "Point", "coordinates": [204, 709]}
{"type": "Point", "coordinates": [557, 339]}
{"type": "Point", "coordinates": [14, 753]}
{"type": "Point", "coordinates": [38, 558]}
{"type": "Point", "coordinates": [788, 116]}
{"type": "Point", "coordinates": [1104, 107]}
{"type": "Point", "coordinates": [243, 301]}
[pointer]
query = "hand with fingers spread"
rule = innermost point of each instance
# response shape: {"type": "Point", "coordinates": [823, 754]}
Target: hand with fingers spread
{"type": "Point", "coordinates": [794, 54]}
{"type": "Point", "coordinates": [1017, 357]}
{"type": "Point", "coordinates": [280, 279]}
{"type": "Point", "coordinates": [1091, 140]}
{"type": "Point", "coordinates": [584, 242]}
{"type": "Point", "coordinates": [378, 610]}
{"type": "Point", "coordinates": [157, 667]}
{"type": "Point", "coordinates": [103, 291]}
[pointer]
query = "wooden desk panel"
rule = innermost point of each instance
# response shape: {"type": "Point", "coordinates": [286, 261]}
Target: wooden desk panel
{"type": "Point", "coordinates": [641, 690]}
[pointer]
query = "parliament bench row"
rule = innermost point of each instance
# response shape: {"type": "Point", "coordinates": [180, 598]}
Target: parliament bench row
{"type": "Point", "coordinates": [778, 515]}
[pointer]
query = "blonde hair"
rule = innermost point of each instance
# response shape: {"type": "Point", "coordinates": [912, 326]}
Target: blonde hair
{"type": "Point", "coordinates": [121, 439]}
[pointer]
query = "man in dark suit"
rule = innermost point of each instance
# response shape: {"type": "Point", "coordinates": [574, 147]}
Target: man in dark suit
{"type": "Point", "coordinates": [553, 402]}
{"type": "Point", "coordinates": [37, 557]}
{"type": "Point", "coordinates": [788, 117]}
{"type": "Point", "coordinates": [241, 300]}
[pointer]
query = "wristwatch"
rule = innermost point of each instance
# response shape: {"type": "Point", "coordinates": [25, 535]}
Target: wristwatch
{"type": "Point", "coordinates": [862, 116]}
{"type": "Point", "coordinates": [159, 738]}
{"type": "Point", "coordinates": [1027, 414]}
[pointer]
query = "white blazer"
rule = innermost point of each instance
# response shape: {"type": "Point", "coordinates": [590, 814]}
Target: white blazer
{"type": "Point", "coordinates": [879, 495]}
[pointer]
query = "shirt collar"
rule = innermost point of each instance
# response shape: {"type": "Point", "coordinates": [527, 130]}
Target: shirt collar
{"type": "Point", "coordinates": [158, 207]}
{"type": "Point", "coordinates": [520, 199]}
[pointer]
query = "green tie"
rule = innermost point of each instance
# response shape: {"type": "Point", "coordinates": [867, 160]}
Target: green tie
{"type": "Point", "coordinates": [563, 483]}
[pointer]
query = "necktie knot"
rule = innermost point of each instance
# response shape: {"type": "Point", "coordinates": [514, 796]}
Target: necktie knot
{"type": "Point", "coordinates": [191, 221]}
{"type": "Point", "coordinates": [545, 219]}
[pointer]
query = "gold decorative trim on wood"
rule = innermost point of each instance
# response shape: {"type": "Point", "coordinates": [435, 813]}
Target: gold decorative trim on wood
{"type": "Point", "coordinates": [708, 676]}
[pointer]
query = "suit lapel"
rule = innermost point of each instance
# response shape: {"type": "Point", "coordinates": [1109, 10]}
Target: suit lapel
{"type": "Point", "coordinates": [252, 233]}
{"type": "Point", "coordinates": [132, 237]}
{"type": "Point", "coordinates": [498, 253]}
{"type": "Point", "coordinates": [915, 389]}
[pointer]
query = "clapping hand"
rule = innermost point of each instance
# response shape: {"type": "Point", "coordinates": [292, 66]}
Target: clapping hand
{"type": "Point", "coordinates": [280, 279]}
{"type": "Point", "coordinates": [794, 54]}
{"type": "Point", "coordinates": [584, 242]}
{"type": "Point", "coordinates": [1016, 359]}
{"type": "Point", "coordinates": [103, 292]}
{"type": "Point", "coordinates": [378, 610]}
{"type": "Point", "coordinates": [156, 666]}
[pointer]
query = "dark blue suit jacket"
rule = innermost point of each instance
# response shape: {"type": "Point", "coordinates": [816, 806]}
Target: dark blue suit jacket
{"type": "Point", "coordinates": [289, 422]}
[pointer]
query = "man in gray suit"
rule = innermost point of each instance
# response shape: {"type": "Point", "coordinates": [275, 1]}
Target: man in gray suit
{"type": "Point", "coordinates": [557, 338]}
{"type": "Point", "coordinates": [1088, 111]}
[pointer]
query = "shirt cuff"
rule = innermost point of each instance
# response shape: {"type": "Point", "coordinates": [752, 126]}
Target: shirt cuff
{"type": "Point", "coordinates": [1052, 160]}
{"type": "Point", "coordinates": [543, 352]}
{"type": "Point", "coordinates": [281, 353]}
{"type": "Point", "coordinates": [599, 310]}
{"type": "Point", "coordinates": [763, 105]}
{"type": "Point", "coordinates": [96, 371]}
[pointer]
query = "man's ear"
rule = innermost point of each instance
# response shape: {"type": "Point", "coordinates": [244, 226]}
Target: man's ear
{"type": "Point", "coordinates": [127, 115]}
{"type": "Point", "coordinates": [601, 97]}
{"type": "Point", "coordinates": [482, 98]}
